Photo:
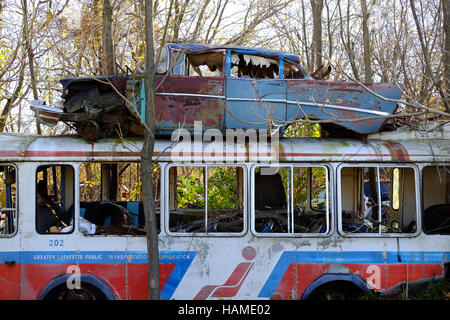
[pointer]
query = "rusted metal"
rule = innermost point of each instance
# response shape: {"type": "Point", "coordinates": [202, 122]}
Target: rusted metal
{"type": "Point", "coordinates": [251, 88]}
{"type": "Point", "coordinates": [180, 101]}
{"type": "Point", "coordinates": [89, 130]}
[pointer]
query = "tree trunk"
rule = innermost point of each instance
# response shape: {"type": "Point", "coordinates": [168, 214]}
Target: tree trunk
{"type": "Point", "coordinates": [200, 21]}
{"type": "Point", "coordinates": [435, 80]}
{"type": "Point", "coordinates": [108, 58]}
{"type": "Point", "coordinates": [446, 45]}
{"type": "Point", "coordinates": [108, 171]}
{"type": "Point", "coordinates": [308, 55]}
{"type": "Point", "coordinates": [30, 55]}
{"type": "Point", "coordinates": [10, 102]}
{"type": "Point", "coordinates": [180, 9]}
{"type": "Point", "coordinates": [366, 39]}
{"type": "Point", "coordinates": [317, 6]}
{"type": "Point", "coordinates": [146, 159]}
{"type": "Point", "coordinates": [348, 45]}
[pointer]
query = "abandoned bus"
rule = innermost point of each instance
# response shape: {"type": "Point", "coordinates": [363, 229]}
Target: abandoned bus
{"type": "Point", "coordinates": [329, 215]}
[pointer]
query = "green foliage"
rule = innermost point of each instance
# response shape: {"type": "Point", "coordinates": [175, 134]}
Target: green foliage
{"type": "Point", "coordinates": [222, 189]}
{"type": "Point", "coordinates": [300, 184]}
{"type": "Point", "coordinates": [190, 192]}
{"type": "Point", "coordinates": [299, 130]}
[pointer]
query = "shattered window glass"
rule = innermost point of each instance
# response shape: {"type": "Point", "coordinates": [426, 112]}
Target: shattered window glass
{"type": "Point", "coordinates": [252, 66]}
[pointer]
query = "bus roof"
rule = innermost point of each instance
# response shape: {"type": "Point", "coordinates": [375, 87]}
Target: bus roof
{"type": "Point", "coordinates": [17, 147]}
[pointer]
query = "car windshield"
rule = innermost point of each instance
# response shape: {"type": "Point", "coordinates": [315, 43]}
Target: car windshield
{"type": "Point", "coordinates": [161, 65]}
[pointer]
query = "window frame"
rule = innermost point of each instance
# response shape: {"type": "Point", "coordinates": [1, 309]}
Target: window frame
{"type": "Point", "coordinates": [422, 195]}
{"type": "Point", "coordinates": [203, 234]}
{"type": "Point", "coordinates": [329, 212]}
{"type": "Point", "coordinates": [184, 53]}
{"type": "Point", "coordinates": [161, 166]}
{"type": "Point", "coordinates": [380, 234]}
{"type": "Point", "coordinates": [75, 195]}
{"type": "Point", "coordinates": [16, 227]}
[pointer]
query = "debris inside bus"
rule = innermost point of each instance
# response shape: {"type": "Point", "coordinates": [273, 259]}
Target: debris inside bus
{"type": "Point", "coordinates": [225, 87]}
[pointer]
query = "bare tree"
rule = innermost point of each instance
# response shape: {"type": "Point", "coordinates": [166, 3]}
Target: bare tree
{"type": "Point", "coordinates": [30, 53]}
{"type": "Point", "coordinates": [146, 158]}
{"type": "Point", "coordinates": [446, 45]}
{"type": "Point", "coordinates": [346, 38]}
{"type": "Point", "coordinates": [200, 21]}
{"type": "Point", "coordinates": [435, 80]}
{"type": "Point", "coordinates": [10, 102]}
{"type": "Point", "coordinates": [366, 40]}
{"type": "Point", "coordinates": [317, 6]}
{"type": "Point", "coordinates": [107, 39]}
{"type": "Point", "coordinates": [180, 10]}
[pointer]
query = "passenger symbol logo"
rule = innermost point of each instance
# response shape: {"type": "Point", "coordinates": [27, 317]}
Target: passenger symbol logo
{"type": "Point", "coordinates": [233, 284]}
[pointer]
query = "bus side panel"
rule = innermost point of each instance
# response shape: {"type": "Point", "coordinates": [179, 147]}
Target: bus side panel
{"type": "Point", "coordinates": [295, 271]}
{"type": "Point", "coordinates": [138, 279]}
{"type": "Point", "coordinates": [36, 276]}
{"type": "Point", "coordinates": [9, 281]}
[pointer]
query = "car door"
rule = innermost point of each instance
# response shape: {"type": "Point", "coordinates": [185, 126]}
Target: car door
{"type": "Point", "coordinates": [184, 95]}
{"type": "Point", "coordinates": [255, 95]}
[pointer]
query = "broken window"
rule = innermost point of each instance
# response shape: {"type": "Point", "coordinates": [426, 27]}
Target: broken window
{"type": "Point", "coordinates": [162, 64]}
{"type": "Point", "coordinates": [198, 65]}
{"type": "Point", "coordinates": [293, 200]}
{"type": "Point", "coordinates": [206, 199]}
{"type": "Point", "coordinates": [436, 200]}
{"type": "Point", "coordinates": [378, 199]}
{"type": "Point", "coordinates": [291, 71]}
{"type": "Point", "coordinates": [54, 199]}
{"type": "Point", "coordinates": [110, 198]}
{"type": "Point", "coordinates": [252, 66]}
{"type": "Point", "coordinates": [8, 210]}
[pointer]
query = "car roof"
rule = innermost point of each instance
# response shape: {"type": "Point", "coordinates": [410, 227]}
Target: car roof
{"type": "Point", "coordinates": [197, 48]}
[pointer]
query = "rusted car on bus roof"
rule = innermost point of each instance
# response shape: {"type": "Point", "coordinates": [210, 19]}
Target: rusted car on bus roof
{"type": "Point", "coordinates": [224, 87]}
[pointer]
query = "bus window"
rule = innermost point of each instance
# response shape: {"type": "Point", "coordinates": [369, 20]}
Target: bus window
{"type": "Point", "coordinates": [295, 200]}
{"type": "Point", "coordinates": [376, 199]}
{"type": "Point", "coordinates": [110, 197]}
{"type": "Point", "coordinates": [8, 212]}
{"type": "Point", "coordinates": [206, 199]}
{"type": "Point", "coordinates": [54, 199]}
{"type": "Point", "coordinates": [436, 200]}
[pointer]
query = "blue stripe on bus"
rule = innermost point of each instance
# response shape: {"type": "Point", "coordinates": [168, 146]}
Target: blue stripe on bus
{"type": "Point", "coordinates": [181, 259]}
{"type": "Point", "coordinates": [93, 256]}
{"type": "Point", "coordinates": [369, 257]}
